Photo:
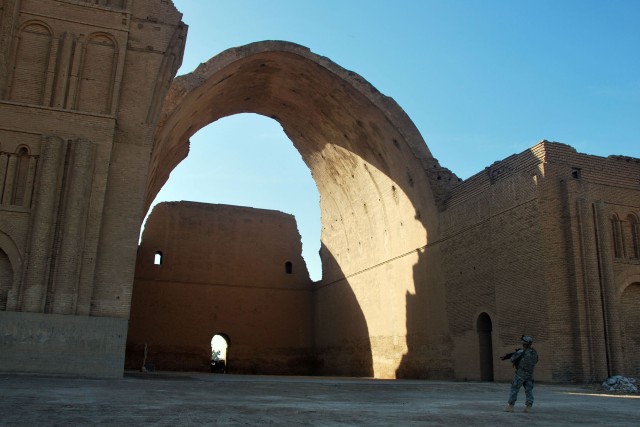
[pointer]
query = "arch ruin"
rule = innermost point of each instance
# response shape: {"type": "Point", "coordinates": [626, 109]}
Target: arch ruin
{"type": "Point", "coordinates": [90, 129]}
{"type": "Point", "coordinates": [378, 184]}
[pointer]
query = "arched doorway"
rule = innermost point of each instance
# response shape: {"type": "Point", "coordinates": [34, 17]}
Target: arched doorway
{"type": "Point", "coordinates": [220, 343]}
{"type": "Point", "coordinates": [485, 345]}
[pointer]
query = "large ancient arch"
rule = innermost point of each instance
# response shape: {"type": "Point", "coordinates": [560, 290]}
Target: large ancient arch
{"type": "Point", "coordinates": [379, 191]}
{"type": "Point", "coordinates": [408, 257]}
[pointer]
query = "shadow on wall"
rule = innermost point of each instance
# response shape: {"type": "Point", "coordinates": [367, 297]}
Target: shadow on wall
{"type": "Point", "coordinates": [429, 346]}
{"type": "Point", "coordinates": [362, 149]}
{"type": "Point", "coordinates": [171, 315]}
{"type": "Point", "coordinates": [342, 339]}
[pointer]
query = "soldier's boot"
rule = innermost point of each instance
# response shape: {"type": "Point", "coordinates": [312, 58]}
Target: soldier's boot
{"type": "Point", "coordinates": [527, 409]}
{"type": "Point", "coordinates": [508, 408]}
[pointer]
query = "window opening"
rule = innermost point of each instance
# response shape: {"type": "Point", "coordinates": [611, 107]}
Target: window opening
{"type": "Point", "coordinates": [288, 267]}
{"type": "Point", "coordinates": [157, 259]}
{"type": "Point", "coordinates": [576, 173]}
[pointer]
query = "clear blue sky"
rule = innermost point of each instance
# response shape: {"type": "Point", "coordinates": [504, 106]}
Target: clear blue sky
{"type": "Point", "coordinates": [481, 80]}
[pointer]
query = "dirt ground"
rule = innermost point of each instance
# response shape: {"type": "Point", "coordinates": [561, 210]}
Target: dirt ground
{"type": "Point", "coordinates": [176, 399]}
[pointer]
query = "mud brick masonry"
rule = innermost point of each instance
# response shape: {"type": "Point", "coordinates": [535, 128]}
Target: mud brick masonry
{"type": "Point", "coordinates": [423, 275]}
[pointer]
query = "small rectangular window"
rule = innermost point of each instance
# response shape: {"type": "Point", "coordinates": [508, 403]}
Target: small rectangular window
{"type": "Point", "coordinates": [576, 173]}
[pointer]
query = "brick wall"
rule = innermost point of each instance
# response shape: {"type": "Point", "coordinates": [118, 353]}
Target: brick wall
{"type": "Point", "coordinates": [524, 241]}
{"type": "Point", "coordinates": [222, 269]}
{"type": "Point", "coordinates": [69, 71]}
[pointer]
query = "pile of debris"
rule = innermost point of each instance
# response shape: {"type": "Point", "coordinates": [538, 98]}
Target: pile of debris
{"type": "Point", "coordinates": [620, 384]}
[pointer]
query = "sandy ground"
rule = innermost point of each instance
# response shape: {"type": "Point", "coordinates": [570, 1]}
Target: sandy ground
{"type": "Point", "coordinates": [175, 399]}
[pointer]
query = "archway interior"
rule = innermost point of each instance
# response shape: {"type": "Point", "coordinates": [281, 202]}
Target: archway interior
{"type": "Point", "coordinates": [368, 177]}
{"type": "Point", "coordinates": [376, 181]}
{"type": "Point", "coordinates": [247, 160]}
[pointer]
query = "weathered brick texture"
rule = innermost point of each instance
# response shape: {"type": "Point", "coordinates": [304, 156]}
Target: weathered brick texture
{"type": "Point", "coordinates": [77, 112]}
{"type": "Point", "coordinates": [206, 269]}
{"type": "Point", "coordinates": [424, 276]}
{"type": "Point", "coordinates": [530, 245]}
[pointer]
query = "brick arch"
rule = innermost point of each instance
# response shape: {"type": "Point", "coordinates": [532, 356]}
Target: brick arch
{"type": "Point", "coordinates": [380, 187]}
{"type": "Point", "coordinates": [361, 147]}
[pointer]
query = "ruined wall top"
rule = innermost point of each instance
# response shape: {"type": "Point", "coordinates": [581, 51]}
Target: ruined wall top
{"type": "Point", "coordinates": [622, 170]}
{"type": "Point", "coordinates": [233, 245]}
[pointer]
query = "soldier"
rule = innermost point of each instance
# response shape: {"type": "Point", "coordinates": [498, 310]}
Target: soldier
{"type": "Point", "coordinates": [524, 360]}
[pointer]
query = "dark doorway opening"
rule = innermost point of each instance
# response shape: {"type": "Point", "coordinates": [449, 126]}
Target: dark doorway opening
{"type": "Point", "coordinates": [484, 328]}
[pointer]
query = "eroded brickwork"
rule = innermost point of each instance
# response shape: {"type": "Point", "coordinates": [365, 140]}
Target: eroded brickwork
{"type": "Point", "coordinates": [215, 269]}
{"type": "Point", "coordinates": [423, 276]}
{"type": "Point", "coordinates": [529, 242]}
{"type": "Point", "coordinates": [77, 111]}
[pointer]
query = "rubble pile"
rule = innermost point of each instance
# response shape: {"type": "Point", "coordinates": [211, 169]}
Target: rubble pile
{"type": "Point", "coordinates": [620, 384]}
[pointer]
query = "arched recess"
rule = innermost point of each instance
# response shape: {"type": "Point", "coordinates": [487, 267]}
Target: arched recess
{"type": "Point", "coordinates": [98, 74]}
{"type": "Point", "coordinates": [632, 236]}
{"type": "Point", "coordinates": [10, 268]}
{"type": "Point", "coordinates": [630, 328]}
{"type": "Point", "coordinates": [23, 182]}
{"type": "Point", "coordinates": [616, 236]}
{"type": "Point", "coordinates": [29, 75]}
{"type": "Point", "coordinates": [485, 344]}
{"type": "Point", "coordinates": [379, 188]}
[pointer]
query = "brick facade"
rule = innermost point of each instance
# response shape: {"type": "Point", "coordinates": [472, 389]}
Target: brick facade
{"type": "Point", "coordinates": [77, 112]}
{"type": "Point", "coordinates": [214, 269]}
{"type": "Point", "coordinates": [424, 276]}
{"type": "Point", "coordinates": [529, 242]}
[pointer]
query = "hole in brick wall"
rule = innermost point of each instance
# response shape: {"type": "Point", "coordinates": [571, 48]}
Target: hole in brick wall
{"type": "Point", "coordinates": [576, 173]}
{"type": "Point", "coordinates": [288, 267]}
{"type": "Point", "coordinates": [157, 259]}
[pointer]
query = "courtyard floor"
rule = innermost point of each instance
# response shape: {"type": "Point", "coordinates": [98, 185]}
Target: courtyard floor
{"type": "Point", "coordinates": [177, 399]}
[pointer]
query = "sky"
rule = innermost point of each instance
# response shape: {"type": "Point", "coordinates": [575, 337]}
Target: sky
{"type": "Point", "coordinates": [481, 80]}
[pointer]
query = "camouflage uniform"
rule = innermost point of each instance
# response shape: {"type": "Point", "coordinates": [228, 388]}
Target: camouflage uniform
{"type": "Point", "coordinates": [524, 360]}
